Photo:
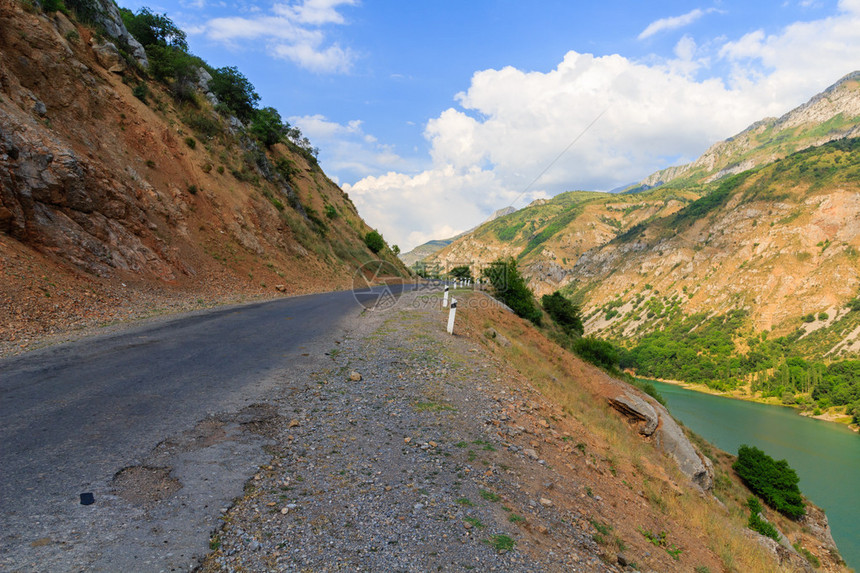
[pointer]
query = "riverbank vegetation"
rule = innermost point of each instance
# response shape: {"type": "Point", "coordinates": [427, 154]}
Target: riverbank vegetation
{"type": "Point", "coordinates": [720, 352]}
{"type": "Point", "coordinates": [774, 481]}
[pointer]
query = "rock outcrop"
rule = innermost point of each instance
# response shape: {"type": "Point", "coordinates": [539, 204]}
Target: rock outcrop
{"type": "Point", "coordinates": [654, 420]}
{"type": "Point", "coordinates": [106, 13]}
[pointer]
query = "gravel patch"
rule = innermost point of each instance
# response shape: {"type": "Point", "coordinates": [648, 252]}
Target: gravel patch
{"type": "Point", "coordinates": [409, 468]}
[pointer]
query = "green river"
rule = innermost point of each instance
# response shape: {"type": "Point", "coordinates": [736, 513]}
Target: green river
{"type": "Point", "coordinates": [825, 455]}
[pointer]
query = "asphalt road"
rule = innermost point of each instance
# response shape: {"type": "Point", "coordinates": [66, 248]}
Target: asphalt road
{"type": "Point", "coordinates": [74, 415]}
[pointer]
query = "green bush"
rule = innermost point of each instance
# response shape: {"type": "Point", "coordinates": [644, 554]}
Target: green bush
{"type": "Point", "coordinates": [374, 241]}
{"type": "Point", "coordinates": [649, 389]}
{"type": "Point", "coordinates": [50, 6]}
{"type": "Point", "coordinates": [564, 313]}
{"type": "Point", "coordinates": [596, 351]}
{"type": "Point", "coordinates": [774, 481]}
{"type": "Point", "coordinates": [235, 92]}
{"type": "Point", "coordinates": [141, 92]}
{"type": "Point", "coordinates": [152, 29]}
{"type": "Point", "coordinates": [510, 286]}
{"type": "Point", "coordinates": [331, 213]}
{"type": "Point", "coordinates": [759, 525]}
{"type": "Point", "coordinates": [267, 126]}
{"type": "Point", "coordinates": [191, 142]}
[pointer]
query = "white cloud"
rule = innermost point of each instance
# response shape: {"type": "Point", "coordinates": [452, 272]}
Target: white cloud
{"type": "Point", "coordinates": [347, 150]}
{"type": "Point", "coordinates": [309, 56]}
{"type": "Point", "coordinates": [510, 124]}
{"type": "Point", "coordinates": [315, 12]}
{"type": "Point", "coordinates": [437, 203]}
{"type": "Point", "coordinates": [292, 32]}
{"type": "Point", "coordinates": [673, 22]}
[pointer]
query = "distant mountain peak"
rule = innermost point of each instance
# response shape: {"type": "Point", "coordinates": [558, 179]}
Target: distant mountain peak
{"type": "Point", "coordinates": [827, 116]}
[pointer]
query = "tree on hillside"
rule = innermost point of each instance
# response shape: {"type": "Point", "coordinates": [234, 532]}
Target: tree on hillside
{"type": "Point", "coordinates": [267, 126]}
{"type": "Point", "coordinates": [152, 29]}
{"type": "Point", "coordinates": [774, 481]}
{"type": "Point", "coordinates": [374, 241]}
{"type": "Point", "coordinates": [511, 287]}
{"type": "Point", "coordinates": [235, 92]}
{"type": "Point", "coordinates": [564, 313]}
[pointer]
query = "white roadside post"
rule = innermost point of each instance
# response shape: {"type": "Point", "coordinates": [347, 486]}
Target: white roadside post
{"type": "Point", "coordinates": [445, 298]}
{"type": "Point", "coordinates": [451, 315]}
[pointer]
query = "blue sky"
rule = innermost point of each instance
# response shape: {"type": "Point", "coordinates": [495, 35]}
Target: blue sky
{"type": "Point", "coordinates": [432, 114]}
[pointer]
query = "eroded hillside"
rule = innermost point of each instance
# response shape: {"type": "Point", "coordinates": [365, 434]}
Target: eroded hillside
{"type": "Point", "coordinates": [114, 189]}
{"type": "Point", "coordinates": [779, 243]}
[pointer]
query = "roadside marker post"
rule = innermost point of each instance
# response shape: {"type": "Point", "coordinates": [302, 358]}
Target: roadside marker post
{"type": "Point", "coordinates": [451, 314]}
{"type": "Point", "coordinates": [445, 298]}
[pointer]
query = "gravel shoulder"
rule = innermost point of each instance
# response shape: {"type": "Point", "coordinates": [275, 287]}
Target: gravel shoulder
{"type": "Point", "coordinates": [405, 469]}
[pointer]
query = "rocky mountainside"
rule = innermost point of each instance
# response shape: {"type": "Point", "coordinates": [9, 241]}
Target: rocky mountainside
{"type": "Point", "coordinates": [779, 243]}
{"type": "Point", "coordinates": [116, 187]}
{"type": "Point", "coordinates": [777, 240]}
{"type": "Point", "coordinates": [549, 236]}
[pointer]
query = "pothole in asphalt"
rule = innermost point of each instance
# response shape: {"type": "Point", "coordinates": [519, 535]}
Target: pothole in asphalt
{"type": "Point", "coordinates": [143, 485]}
{"type": "Point", "coordinates": [261, 419]}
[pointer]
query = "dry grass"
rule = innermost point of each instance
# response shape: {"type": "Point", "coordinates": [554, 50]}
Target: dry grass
{"type": "Point", "coordinates": [646, 488]}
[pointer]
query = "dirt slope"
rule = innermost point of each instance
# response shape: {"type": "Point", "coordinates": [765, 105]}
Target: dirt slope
{"type": "Point", "coordinates": [110, 205]}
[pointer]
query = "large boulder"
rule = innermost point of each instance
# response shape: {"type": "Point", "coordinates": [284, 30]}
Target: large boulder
{"type": "Point", "coordinates": [109, 57]}
{"type": "Point", "coordinates": [654, 420]}
{"type": "Point", "coordinates": [672, 440]}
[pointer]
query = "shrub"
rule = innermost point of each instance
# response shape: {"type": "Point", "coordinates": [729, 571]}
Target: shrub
{"type": "Point", "coordinates": [596, 351]}
{"type": "Point", "coordinates": [564, 313]}
{"type": "Point", "coordinates": [510, 286]}
{"type": "Point", "coordinates": [649, 389]}
{"type": "Point", "coordinates": [774, 481]}
{"type": "Point", "coordinates": [759, 525]}
{"type": "Point", "coordinates": [141, 92]}
{"type": "Point", "coordinates": [192, 189]}
{"type": "Point", "coordinates": [153, 29]}
{"type": "Point", "coordinates": [374, 241]}
{"type": "Point", "coordinates": [190, 142]}
{"type": "Point", "coordinates": [50, 6]}
{"type": "Point", "coordinates": [204, 124]}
